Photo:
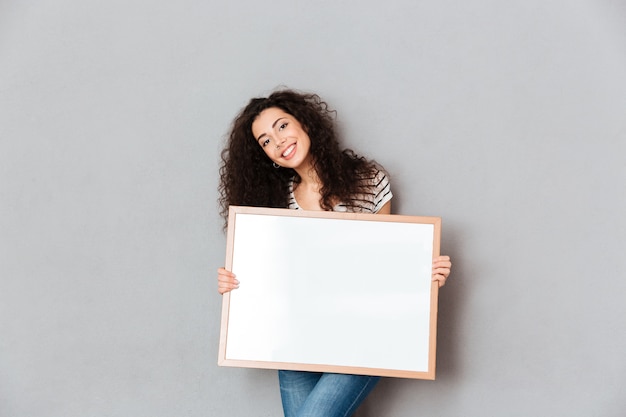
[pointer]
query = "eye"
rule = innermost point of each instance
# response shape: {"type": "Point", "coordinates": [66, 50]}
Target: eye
{"type": "Point", "coordinates": [282, 126]}
{"type": "Point", "coordinates": [265, 142]}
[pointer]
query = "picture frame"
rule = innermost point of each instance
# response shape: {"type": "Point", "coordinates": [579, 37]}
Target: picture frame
{"type": "Point", "coordinates": [328, 291]}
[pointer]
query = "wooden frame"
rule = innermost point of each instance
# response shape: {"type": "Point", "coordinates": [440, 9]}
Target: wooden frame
{"type": "Point", "coordinates": [331, 292]}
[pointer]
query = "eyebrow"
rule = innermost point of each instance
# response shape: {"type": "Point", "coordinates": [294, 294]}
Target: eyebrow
{"type": "Point", "coordinates": [273, 124]}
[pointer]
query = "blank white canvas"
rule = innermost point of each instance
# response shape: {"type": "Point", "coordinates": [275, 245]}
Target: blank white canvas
{"type": "Point", "coordinates": [331, 292]}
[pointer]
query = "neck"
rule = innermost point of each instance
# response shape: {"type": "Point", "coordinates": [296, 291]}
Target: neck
{"type": "Point", "coordinates": [308, 176]}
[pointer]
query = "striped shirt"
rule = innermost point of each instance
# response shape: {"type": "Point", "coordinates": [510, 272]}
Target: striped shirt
{"type": "Point", "coordinates": [370, 202]}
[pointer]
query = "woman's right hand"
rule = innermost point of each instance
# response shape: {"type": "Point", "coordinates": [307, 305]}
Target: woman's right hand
{"type": "Point", "coordinates": [226, 281]}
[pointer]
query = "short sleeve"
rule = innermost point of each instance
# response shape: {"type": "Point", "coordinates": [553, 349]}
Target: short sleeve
{"type": "Point", "coordinates": [382, 191]}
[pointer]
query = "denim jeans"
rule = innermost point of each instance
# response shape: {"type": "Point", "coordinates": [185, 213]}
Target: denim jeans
{"type": "Point", "coordinates": [314, 394]}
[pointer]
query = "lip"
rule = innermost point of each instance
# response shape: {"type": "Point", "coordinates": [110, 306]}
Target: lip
{"type": "Point", "coordinates": [289, 152]}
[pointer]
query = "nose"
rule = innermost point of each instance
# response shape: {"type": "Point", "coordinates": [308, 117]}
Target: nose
{"type": "Point", "coordinates": [279, 141]}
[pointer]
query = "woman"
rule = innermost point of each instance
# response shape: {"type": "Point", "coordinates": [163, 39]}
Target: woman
{"type": "Point", "coordinates": [283, 152]}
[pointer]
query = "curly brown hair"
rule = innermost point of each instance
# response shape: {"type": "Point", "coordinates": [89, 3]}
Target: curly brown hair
{"type": "Point", "coordinates": [248, 178]}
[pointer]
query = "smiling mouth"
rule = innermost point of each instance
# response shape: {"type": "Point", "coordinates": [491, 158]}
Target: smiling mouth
{"type": "Point", "coordinates": [289, 151]}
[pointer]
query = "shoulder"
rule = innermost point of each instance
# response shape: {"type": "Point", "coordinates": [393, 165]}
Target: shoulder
{"type": "Point", "coordinates": [381, 189]}
{"type": "Point", "coordinates": [376, 178]}
{"type": "Point", "coordinates": [375, 190]}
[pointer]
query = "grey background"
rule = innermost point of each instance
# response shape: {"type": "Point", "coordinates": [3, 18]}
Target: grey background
{"type": "Point", "coordinates": [504, 118]}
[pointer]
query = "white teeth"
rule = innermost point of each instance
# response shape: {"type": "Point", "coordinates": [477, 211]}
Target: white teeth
{"type": "Point", "coordinates": [289, 151]}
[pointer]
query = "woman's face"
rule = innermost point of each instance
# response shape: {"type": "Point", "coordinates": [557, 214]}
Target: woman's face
{"type": "Point", "coordinates": [282, 138]}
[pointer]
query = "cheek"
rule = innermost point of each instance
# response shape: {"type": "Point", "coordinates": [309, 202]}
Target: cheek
{"type": "Point", "coordinates": [307, 142]}
{"type": "Point", "coordinates": [267, 151]}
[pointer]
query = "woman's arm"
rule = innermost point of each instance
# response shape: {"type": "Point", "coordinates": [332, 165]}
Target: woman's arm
{"type": "Point", "coordinates": [385, 209]}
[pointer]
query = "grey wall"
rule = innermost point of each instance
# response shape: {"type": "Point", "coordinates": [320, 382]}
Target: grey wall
{"type": "Point", "coordinates": [507, 119]}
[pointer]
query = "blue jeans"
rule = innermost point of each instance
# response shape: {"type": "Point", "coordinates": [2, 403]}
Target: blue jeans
{"type": "Point", "coordinates": [314, 394]}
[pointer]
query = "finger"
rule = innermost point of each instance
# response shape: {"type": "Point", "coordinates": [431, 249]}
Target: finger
{"type": "Point", "coordinates": [223, 291]}
{"type": "Point", "coordinates": [441, 280]}
{"type": "Point", "coordinates": [225, 275]}
{"type": "Point", "coordinates": [227, 278]}
{"type": "Point", "coordinates": [441, 271]}
{"type": "Point", "coordinates": [224, 287]}
{"type": "Point", "coordinates": [225, 272]}
{"type": "Point", "coordinates": [442, 262]}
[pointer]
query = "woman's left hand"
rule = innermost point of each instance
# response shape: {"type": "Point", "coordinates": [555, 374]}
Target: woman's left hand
{"type": "Point", "coordinates": [441, 269]}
